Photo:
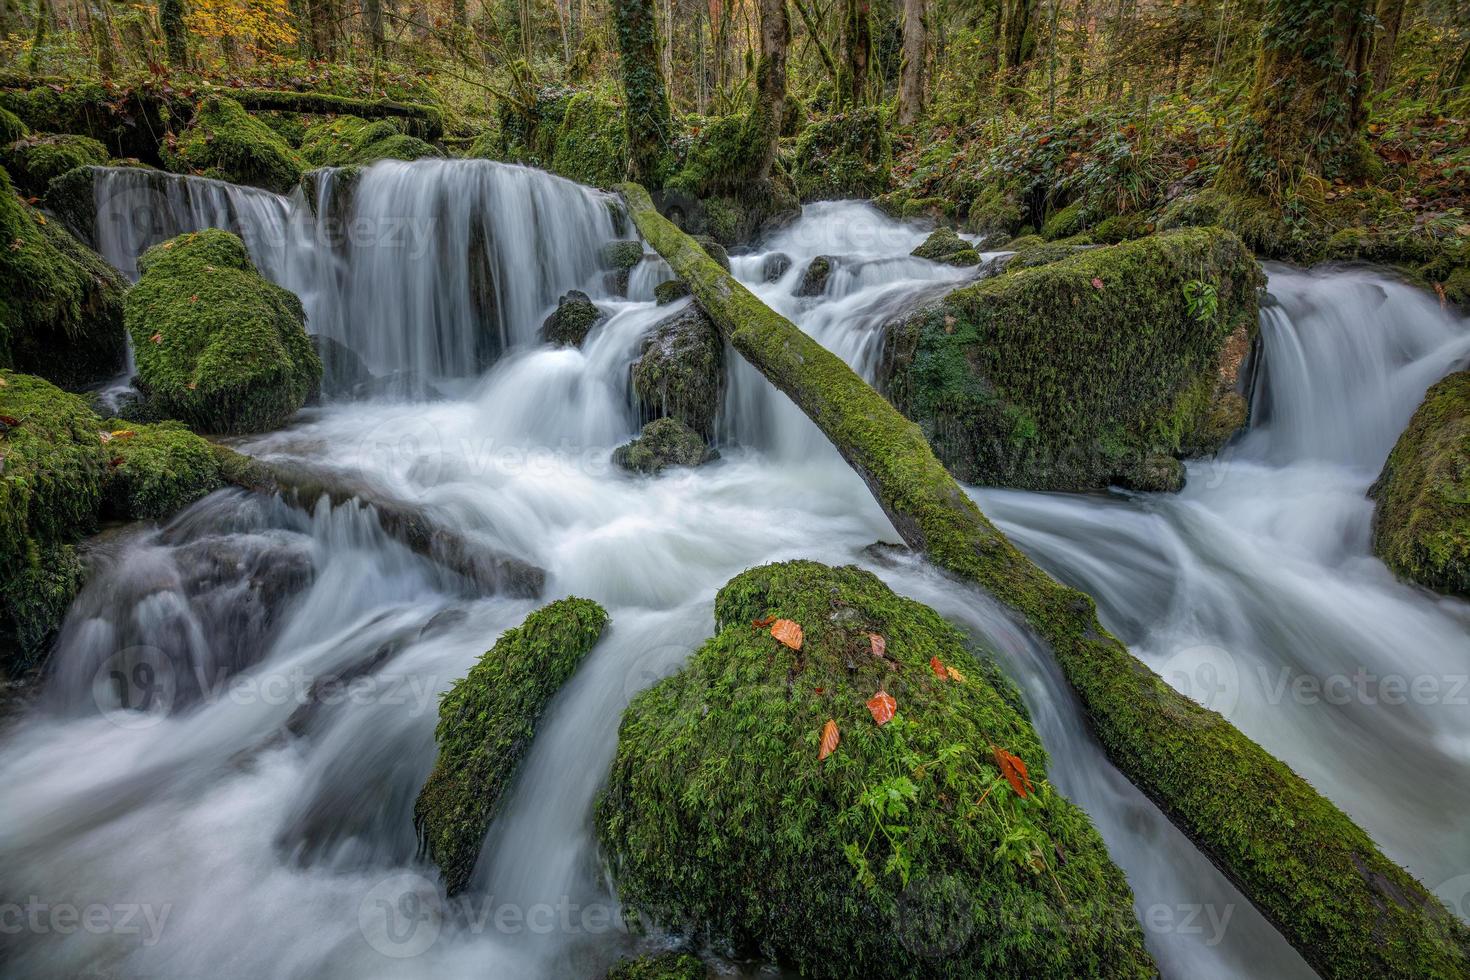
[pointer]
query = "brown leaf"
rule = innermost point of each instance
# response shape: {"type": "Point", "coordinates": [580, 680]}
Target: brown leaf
{"type": "Point", "coordinates": [954, 675]}
{"type": "Point", "coordinates": [830, 738]}
{"type": "Point", "coordinates": [879, 645]}
{"type": "Point", "coordinates": [788, 632]}
{"type": "Point", "coordinates": [762, 623]}
{"type": "Point", "coordinates": [882, 706]}
{"type": "Point", "coordinates": [936, 665]}
{"type": "Point", "coordinates": [1013, 769]}
{"type": "Point", "coordinates": [156, 338]}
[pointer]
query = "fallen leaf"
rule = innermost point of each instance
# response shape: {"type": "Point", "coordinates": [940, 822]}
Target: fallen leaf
{"type": "Point", "coordinates": [40, 219]}
{"type": "Point", "coordinates": [882, 706]}
{"type": "Point", "coordinates": [787, 632]}
{"type": "Point", "coordinates": [830, 738]}
{"type": "Point", "coordinates": [122, 434]}
{"type": "Point", "coordinates": [761, 624]}
{"type": "Point", "coordinates": [936, 665]}
{"type": "Point", "coordinates": [1013, 769]}
{"type": "Point", "coordinates": [879, 645]}
{"type": "Point", "coordinates": [819, 690]}
{"type": "Point", "coordinates": [157, 338]}
{"type": "Point", "coordinates": [1097, 283]}
{"type": "Point", "coordinates": [954, 675]}
{"type": "Point", "coordinates": [192, 385]}
{"type": "Point", "coordinates": [9, 421]}
{"type": "Point", "coordinates": [194, 299]}
{"type": "Point", "coordinates": [104, 437]}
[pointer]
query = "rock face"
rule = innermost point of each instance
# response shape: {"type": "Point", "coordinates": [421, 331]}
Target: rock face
{"type": "Point", "coordinates": [1421, 525]}
{"type": "Point", "coordinates": [847, 155]}
{"type": "Point", "coordinates": [814, 279]}
{"type": "Point", "coordinates": [156, 470]}
{"type": "Point", "coordinates": [574, 318]}
{"type": "Point", "coordinates": [61, 305]}
{"type": "Point", "coordinates": [664, 443]}
{"type": "Point", "coordinates": [218, 346]}
{"type": "Point", "coordinates": [944, 245]}
{"type": "Point", "coordinates": [486, 723]}
{"type": "Point", "coordinates": [720, 817]}
{"type": "Point", "coordinates": [619, 258]}
{"type": "Point", "coordinates": [226, 142]}
{"type": "Point", "coordinates": [35, 160]}
{"type": "Point", "coordinates": [1098, 368]}
{"type": "Point", "coordinates": [776, 265]}
{"type": "Point", "coordinates": [344, 373]}
{"type": "Point", "coordinates": [680, 373]}
{"type": "Point", "coordinates": [350, 141]}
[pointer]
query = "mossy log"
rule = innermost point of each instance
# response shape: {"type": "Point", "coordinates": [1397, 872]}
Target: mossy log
{"type": "Point", "coordinates": [486, 724]}
{"type": "Point", "coordinates": [1314, 873]}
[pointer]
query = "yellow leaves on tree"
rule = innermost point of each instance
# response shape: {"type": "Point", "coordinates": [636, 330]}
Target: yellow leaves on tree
{"type": "Point", "coordinates": [259, 25]}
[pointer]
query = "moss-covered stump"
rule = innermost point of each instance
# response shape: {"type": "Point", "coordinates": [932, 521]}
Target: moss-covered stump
{"type": "Point", "coordinates": [156, 470]}
{"type": "Point", "coordinates": [905, 853]}
{"type": "Point", "coordinates": [664, 443]}
{"type": "Point", "coordinates": [486, 723]}
{"type": "Point", "coordinates": [52, 465]}
{"type": "Point", "coordinates": [35, 160]}
{"type": "Point", "coordinates": [814, 279]}
{"type": "Point", "coordinates": [590, 145]}
{"type": "Point", "coordinates": [218, 346]}
{"type": "Point", "coordinates": [680, 371]}
{"type": "Point", "coordinates": [846, 155]}
{"type": "Point", "coordinates": [1094, 369]}
{"type": "Point", "coordinates": [61, 305]}
{"type": "Point", "coordinates": [226, 142]}
{"type": "Point", "coordinates": [660, 966]}
{"type": "Point", "coordinates": [944, 245]}
{"type": "Point", "coordinates": [350, 141]}
{"type": "Point", "coordinates": [1421, 525]}
{"type": "Point", "coordinates": [573, 319]}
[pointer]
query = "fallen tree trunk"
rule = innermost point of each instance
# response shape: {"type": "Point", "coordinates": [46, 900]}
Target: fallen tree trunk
{"type": "Point", "coordinates": [1315, 874]}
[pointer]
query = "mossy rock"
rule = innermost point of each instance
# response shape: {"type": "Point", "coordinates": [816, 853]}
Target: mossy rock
{"type": "Point", "coordinates": [664, 443]}
{"type": "Point", "coordinates": [217, 345]}
{"type": "Point", "coordinates": [714, 250]}
{"type": "Point", "coordinates": [11, 127]}
{"type": "Point", "coordinates": [61, 305]}
{"type": "Point", "coordinates": [72, 198]}
{"type": "Point", "coordinates": [670, 291]}
{"type": "Point", "coordinates": [1032, 251]}
{"type": "Point", "coordinates": [52, 465]}
{"type": "Point", "coordinates": [1121, 228]}
{"type": "Point", "coordinates": [680, 371]}
{"type": "Point", "coordinates": [590, 147]}
{"type": "Point", "coordinates": [226, 142]}
{"type": "Point", "coordinates": [660, 966]}
{"type": "Point", "coordinates": [1067, 221]}
{"type": "Point", "coordinates": [349, 141]}
{"type": "Point", "coordinates": [1421, 524]}
{"type": "Point", "coordinates": [486, 723]}
{"type": "Point", "coordinates": [995, 212]}
{"type": "Point", "coordinates": [945, 245]}
{"type": "Point", "coordinates": [721, 819]}
{"type": "Point", "coordinates": [1081, 372]}
{"type": "Point", "coordinates": [573, 319]}
{"type": "Point", "coordinates": [847, 155]}
{"type": "Point", "coordinates": [156, 470]}
{"type": "Point", "coordinates": [1255, 220]}
{"type": "Point", "coordinates": [486, 146]}
{"type": "Point", "coordinates": [814, 279]}
{"type": "Point", "coordinates": [34, 160]}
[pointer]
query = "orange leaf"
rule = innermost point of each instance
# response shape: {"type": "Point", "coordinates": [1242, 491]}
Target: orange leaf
{"type": "Point", "coordinates": [1013, 769]}
{"type": "Point", "coordinates": [954, 675]}
{"type": "Point", "coordinates": [157, 338]}
{"type": "Point", "coordinates": [882, 707]}
{"type": "Point", "coordinates": [830, 738]}
{"type": "Point", "coordinates": [761, 624]}
{"type": "Point", "coordinates": [938, 667]}
{"type": "Point", "coordinates": [787, 632]}
{"type": "Point", "coordinates": [879, 645]}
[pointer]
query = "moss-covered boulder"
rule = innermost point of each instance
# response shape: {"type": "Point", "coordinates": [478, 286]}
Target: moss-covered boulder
{"type": "Point", "coordinates": [156, 470]}
{"type": "Point", "coordinates": [670, 291]}
{"type": "Point", "coordinates": [349, 141]}
{"type": "Point", "coordinates": [35, 160]}
{"type": "Point", "coordinates": [680, 371]}
{"type": "Point", "coordinates": [52, 466]}
{"type": "Point", "coordinates": [12, 127]}
{"type": "Point", "coordinates": [1097, 368]}
{"type": "Point", "coordinates": [217, 345]}
{"type": "Point", "coordinates": [574, 317]}
{"type": "Point", "coordinates": [486, 723]}
{"type": "Point", "coordinates": [619, 258]}
{"type": "Point", "coordinates": [590, 145]}
{"type": "Point", "coordinates": [61, 305]}
{"type": "Point", "coordinates": [660, 966]}
{"type": "Point", "coordinates": [996, 213]}
{"type": "Point", "coordinates": [945, 245]}
{"type": "Point", "coordinates": [226, 142]}
{"type": "Point", "coordinates": [814, 278]}
{"type": "Point", "coordinates": [847, 155]}
{"type": "Point", "coordinates": [724, 187]}
{"type": "Point", "coordinates": [1421, 525]}
{"type": "Point", "coordinates": [664, 443]}
{"type": "Point", "coordinates": [907, 851]}
{"type": "Point", "coordinates": [1031, 251]}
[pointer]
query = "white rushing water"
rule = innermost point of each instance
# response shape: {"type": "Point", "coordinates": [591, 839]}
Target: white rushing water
{"type": "Point", "coordinates": [262, 824]}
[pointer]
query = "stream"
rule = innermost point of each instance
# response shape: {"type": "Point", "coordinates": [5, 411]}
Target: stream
{"type": "Point", "coordinates": [255, 818]}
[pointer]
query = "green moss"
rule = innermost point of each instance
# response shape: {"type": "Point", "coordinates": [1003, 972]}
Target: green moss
{"type": "Point", "coordinates": [1032, 251]}
{"type": "Point", "coordinates": [1255, 220]}
{"type": "Point", "coordinates": [34, 601]}
{"type": "Point", "coordinates": [11, 127]}
{"type": "Point", "coordinates": [621, 256]}
{"type": "Point", "coordinates": [226, 142]}
{"type": "Point", "coordinates": [60, 304]}
{"type": "Point", "coordinates": [289, 126]}
{"type": "Point", "coordinates": [669, 291]}
{"type": "Point", "coordinates": [719, 819]}
{"type": "Point", "coordinates": [1421, 526]}
{"type": "Point", "coordinates": [944, 245]}
{"type": "Point", "coordinates": [34, 160]}
{"type": "Point", "coordinates": [1066, 222]}
{"type": "Point", "coordinates": [218, 346]}
{"type": "Point", "coordinates": [350, 141]}
{"type": "Point", "coordinates": [1077, 373]}
{"type": "Point", "coordinates": [486, 723]}
{"type": "Point", "coordinates": [847, 155]}
{"type": "Point", "coordinates": [487, 145]}
{"type": "Point", "coordinates": [995, 212]}
{"type": "Point", "coordinates": [157, 470]}
{"type": "Point", "coordinates": [814, 278]}
{"type": "Point", "coordinates": [663, 443]}
{"type": "Point", "coordinates": [590, 144]}
{"type": "Point", "coordinates": [574, 318]}
{"type": "Point", "coordinates": [659, 966]}
{"type": "Point", "coordinates": [1121, 228]}
{"type": "Point", "coordinates": [722, 168]}
{"type": "Point", "coordinates": [680, 372]}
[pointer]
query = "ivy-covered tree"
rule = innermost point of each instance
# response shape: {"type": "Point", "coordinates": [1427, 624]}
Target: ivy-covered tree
{"type": "Point", "coordinates": [175, 31]}
{"type": "Point", "coordinates": [647, 119]}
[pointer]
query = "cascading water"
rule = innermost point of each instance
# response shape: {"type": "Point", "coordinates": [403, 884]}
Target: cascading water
{"type": "Point", "coordinates": [264, 820]}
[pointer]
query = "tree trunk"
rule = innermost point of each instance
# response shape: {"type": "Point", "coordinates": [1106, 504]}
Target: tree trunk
{"type": "Point", "coordinates": [770, 85]}
{"type": "Point", "coordinates": [1364, 916]}
{"type": "Point", "coordinates": [1391, 15]}
{"type": "Point", "coordinates": [38, 41]}
{"type": "Point", "coordinates": [647, 120]}
{"type": "Point", "coordinates": [372, 13]}
{"type": "Point", "coordinates": [913, 64]}
{"type": "Point", "coordinates": [857, 52]}
{"type": "Point", "coordinates": [1306, 110]}
{"type": "Point", "coordinates": [1019, 36]}
{"type": "Point", "coordinates": [814, 32]}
